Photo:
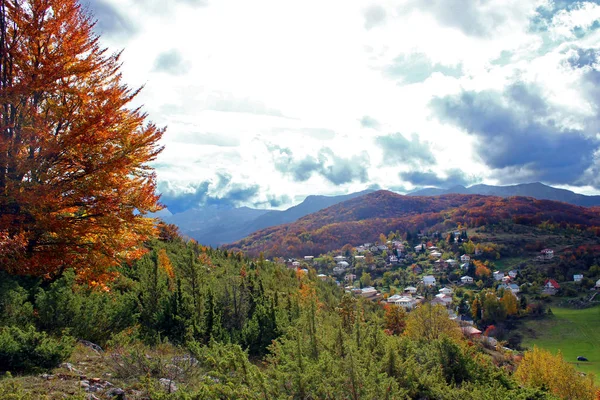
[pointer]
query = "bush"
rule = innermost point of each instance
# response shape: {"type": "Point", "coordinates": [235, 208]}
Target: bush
{"type": "Point", "coordinates": [29, 350]}
{"type": "Point", "coordinates": [90, 315]}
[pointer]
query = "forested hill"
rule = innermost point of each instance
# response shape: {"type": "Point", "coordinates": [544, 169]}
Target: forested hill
{"type": "Point", "coordinates": [362, 220]}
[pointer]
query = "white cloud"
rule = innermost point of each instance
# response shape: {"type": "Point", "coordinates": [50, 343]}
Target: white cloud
{"type": "Point", "coordinates": [302, 75]}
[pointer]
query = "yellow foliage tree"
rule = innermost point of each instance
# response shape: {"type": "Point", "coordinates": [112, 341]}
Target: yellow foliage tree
{"type": "Point", "coordinates": [540, 368]}
{"type": "Point", "coordinates": [509, 302]}
{"type": "Point", "coordinates": [429, 322]}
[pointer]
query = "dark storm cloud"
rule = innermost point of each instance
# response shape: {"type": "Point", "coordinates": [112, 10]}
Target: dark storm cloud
{"type": "Point", "coordinates": [397, 149]}
{"type": "Point", "coordinates": [429, 178]}
{"type": "Point", "coordinates": [517, 135]}
{"type": "Point", "coordinates": [110, 21]}
{"type": "Point", "coordinates": [374, 15]}
{"type": "Point", "coordinates": [171, 62]}
{"type": "Point", "coordinates": [221, 191]}
{"type": "Point", "coordinates": [336, 169]}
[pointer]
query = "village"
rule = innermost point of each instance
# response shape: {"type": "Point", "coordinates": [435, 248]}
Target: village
{"type": "Point", "coordinates": [442, 269]}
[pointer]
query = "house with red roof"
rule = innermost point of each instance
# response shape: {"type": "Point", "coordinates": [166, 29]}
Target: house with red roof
{"type": "Point", "coordinates": [551, 286]}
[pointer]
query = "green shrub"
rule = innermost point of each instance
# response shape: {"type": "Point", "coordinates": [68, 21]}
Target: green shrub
{"type": "Point", "coordinates": [30, 350]}
{"type": "Point", "coordinates": [15, 308]}
{"type": "Point", "coordinates": [88, 314]}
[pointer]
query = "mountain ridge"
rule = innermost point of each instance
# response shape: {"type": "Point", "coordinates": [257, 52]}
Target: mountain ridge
{"type": "Point", "coordinates": [362, 219]}
{"type": "Point", "coordinates": [536, 190]}
{"type": "Point", "coordinates": [215, 226]}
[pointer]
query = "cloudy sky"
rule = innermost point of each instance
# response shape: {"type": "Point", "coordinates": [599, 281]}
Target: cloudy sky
{"type": "Point", "coordinates": [269, 101]}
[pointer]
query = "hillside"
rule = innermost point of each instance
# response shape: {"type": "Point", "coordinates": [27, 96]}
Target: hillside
{"type": "Point", "coordinates": [362, 219]}
{"type": "Point", "coordinates": [536, 190]}
{"type": "Point", "coordinates": [214, 226]}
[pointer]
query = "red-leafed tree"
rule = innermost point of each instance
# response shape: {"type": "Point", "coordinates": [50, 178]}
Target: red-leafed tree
{"type": "Point", "coordinates": [75, 184]}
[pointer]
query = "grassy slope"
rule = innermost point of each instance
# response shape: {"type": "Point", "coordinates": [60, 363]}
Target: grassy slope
{"type": "Point", "coordinates": [573, 332]}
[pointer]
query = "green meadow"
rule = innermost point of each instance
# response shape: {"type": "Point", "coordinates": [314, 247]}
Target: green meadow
{"type": "Point", "coordinates": [573, 332]}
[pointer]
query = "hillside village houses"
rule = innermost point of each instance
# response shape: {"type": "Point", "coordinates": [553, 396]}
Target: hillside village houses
{"type": "Point", "coordinates": [548, 254]}
{"type": "Point", "coordinates": [410, 289]}
{"type": "Point", "coordinates": [426, 257]}
{"type": "Point", "coordinates": [407, 302]}
{"type": "Point", "coordinates": [551, 287]}
{"type": "Point", "coordinates": [429, 280]}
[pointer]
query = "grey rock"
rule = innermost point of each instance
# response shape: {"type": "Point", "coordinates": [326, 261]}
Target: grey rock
{"type": "Point", "coordinates": [168, 385]}
{"type": "Point", "coordinates": [117, 393]}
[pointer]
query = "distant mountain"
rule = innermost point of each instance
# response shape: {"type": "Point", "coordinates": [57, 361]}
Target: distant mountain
{"type": "Point", "coordinates": [362, 219]}
{"type": "Point", "coordinates": [310, 205]}
{"type": "Point", "coordinates": [536, 190]}
{"type": "Point", "coordinates": [215, 226]}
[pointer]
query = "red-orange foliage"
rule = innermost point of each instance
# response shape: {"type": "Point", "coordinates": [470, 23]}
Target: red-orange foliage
{"type": "Point", "coordinates": [74, 181]}
{"type": "Point", "coordinates": [481, 270]}
{"type": "Point", "coordinates": [362, 219]}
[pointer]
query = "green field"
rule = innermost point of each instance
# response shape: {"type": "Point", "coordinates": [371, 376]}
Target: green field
{"type": "Point", "coordinates": [573, 332]}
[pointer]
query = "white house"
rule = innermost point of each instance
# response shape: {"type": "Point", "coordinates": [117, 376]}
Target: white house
{"type": "Point", "coordinates": [577, 278]}
{"type": "Point", "coordinates": [429, 280]}
{"type": "Point", "coordinates": [359, 257]}
{"type": "Point", "coordinates": [406, 302]}
{"type": "Point", "coordinates": [451, 262]}
{"type": "Point", "coordinates": [350, 278]}
{"type": "Point", "coordinates": [322, 277]}
{"type": "Point", "coordinates": [465, 258]}
{"type": "Point", "coordinates": [513, 287]}
{"type": "Point", "coordinates": [410, 289]}
{"type": "Point", "coordinates": [446, 291]}
{"type": "Point", "coordinates": [512, 274]}
{"type": "Point", "coordinates": [506, 279]}
{"type": "Point", "coordinates": [338, 270]}
{"type": "Point", "coordinates": [343, 264]}
{"type": "Point", "coordinates": [296, 264]}
{"type": "Point", "coordinates": [393, 298]}
{"type": "Point", "coordinates": [431, 248]}
{"type": "Point", "coordinates": [309, 258]}
{"type": "Point", "coordinates": [339, 258]}
{"type": "Point", "coordinates": [443, 299]}
{"type": "Point", "coordinates": [368, 291]}
{"type": "Point", "coordinates": [464, 266]}
{"type": "Point", "coordinates": [547, 254]}
{"type": "Point", "coordinates": [466, 279]}
{"type": "Point", "coordinates": [498, 275]}
{"type": "Point", "coordinates": [419, 247]}
{"type": "Point", "coordinates": [436, 254]}
{"type": "Point", "coordinates": [598, 284]}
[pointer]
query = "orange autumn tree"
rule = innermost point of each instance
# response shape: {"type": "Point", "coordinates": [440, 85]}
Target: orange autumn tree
{"type": "Point", "coordinates": [75, 185]}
